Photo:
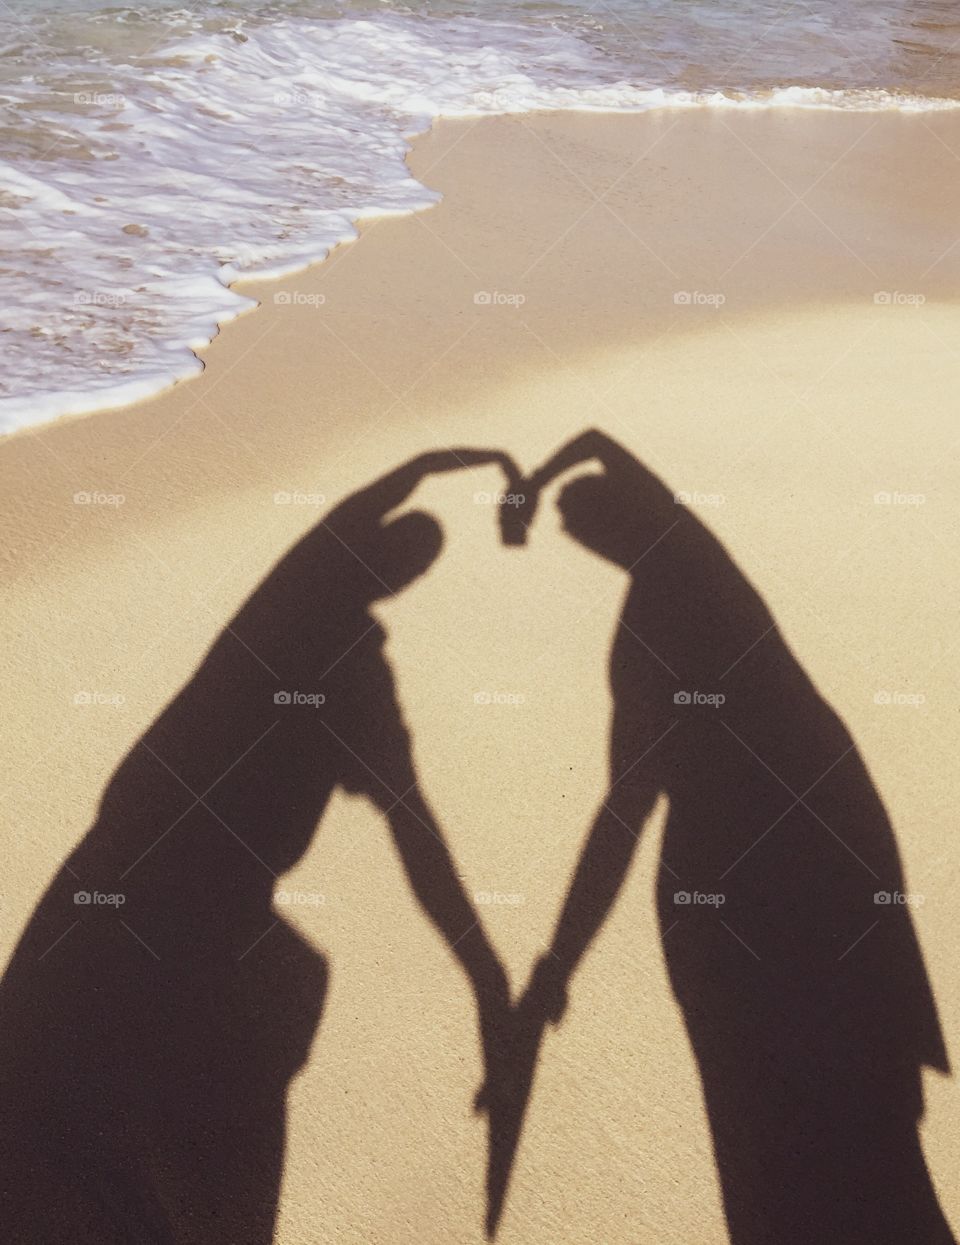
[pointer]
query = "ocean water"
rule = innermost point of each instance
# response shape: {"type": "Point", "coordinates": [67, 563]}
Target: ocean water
{"type": "Point", "coordinates": [150, 153]}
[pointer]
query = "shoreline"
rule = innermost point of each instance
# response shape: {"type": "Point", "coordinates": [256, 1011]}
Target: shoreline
{"type": "Point", "coordinates": [246, 287]}
{"type": "Point", "coordinates": [681, 237]}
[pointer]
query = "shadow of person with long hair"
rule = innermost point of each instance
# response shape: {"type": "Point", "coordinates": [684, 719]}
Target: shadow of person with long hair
{"type": "Point", "coordinates": [788, 946]}
{"type": "Point", "coordinates": [157, 1006]}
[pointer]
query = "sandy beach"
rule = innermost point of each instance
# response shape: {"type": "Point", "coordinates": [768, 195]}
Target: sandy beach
{"type": "Point", "coordinates": [761, 308]}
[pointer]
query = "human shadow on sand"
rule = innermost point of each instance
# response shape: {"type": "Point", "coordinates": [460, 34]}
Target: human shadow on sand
{"type": "Point", "coordinates": [147, 1042]}
{"type": "Point", "coordinates": [796, 967]}
{"type": "Point", "coordinates": [146, 1049]}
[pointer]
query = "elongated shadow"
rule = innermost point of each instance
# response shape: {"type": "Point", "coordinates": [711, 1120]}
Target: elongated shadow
{"type": "Point", "coordinates": [148, 1036]}
{"type": "Point", "coordinates": [788, 946]}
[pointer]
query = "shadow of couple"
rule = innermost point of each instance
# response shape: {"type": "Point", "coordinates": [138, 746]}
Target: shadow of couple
{"type": "Point", "coordinates": [148, 1037]}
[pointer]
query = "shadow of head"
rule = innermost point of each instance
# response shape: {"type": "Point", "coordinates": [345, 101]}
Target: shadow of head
{"type": "Point", "coordinates": [610, 516]}
{"type": "Point", "coordinates": [395, 554]}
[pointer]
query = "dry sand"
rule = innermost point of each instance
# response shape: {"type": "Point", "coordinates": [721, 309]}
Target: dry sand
{"type": "Point", "coordinates": [785, 410]}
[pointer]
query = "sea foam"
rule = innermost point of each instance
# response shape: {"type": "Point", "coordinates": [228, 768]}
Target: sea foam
{"type": "Point", "coordinates": [143, 184]}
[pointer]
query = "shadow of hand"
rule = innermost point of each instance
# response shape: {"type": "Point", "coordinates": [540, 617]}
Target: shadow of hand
{"type": "Point", "coordinates": [546, 995]}
{"type": "Point", "coordinates": [511, 1045]}
{"type": "Point", "coordinates": [510, 1032]}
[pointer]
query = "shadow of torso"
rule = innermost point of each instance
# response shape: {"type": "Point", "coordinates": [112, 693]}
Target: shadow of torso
{"type": "Point", "coordinates": [147, 1046]}
{"type": "Point", "coordinates": [806, 1001]}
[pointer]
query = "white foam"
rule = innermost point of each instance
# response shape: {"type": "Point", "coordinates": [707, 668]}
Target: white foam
{"type": "Point", "coordinates": [249, 152]}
